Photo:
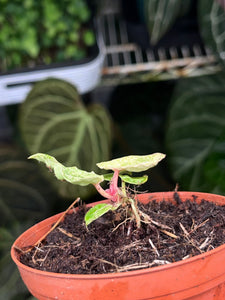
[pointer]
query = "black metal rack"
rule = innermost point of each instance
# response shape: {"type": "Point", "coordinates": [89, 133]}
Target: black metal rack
{"type": "Point", "coordinates": [126, 62]}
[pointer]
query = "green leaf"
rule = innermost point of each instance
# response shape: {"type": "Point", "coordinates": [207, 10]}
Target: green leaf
{"type": "Point", "coordinates": [97, 211]}
{"type": "Point", "coordinates": [127, 178]}
{"type": "Point", "coordinates": [29, 43]}
{"type": "Point", "coordinates": [195, 131]}
{"type": "Point", "coordinates": [108, 176]}
{"type": "Point", "coordinates": [35, 27]}
{"type": "Point", "coordinates": [132, 163]}
{"type": "Point", "coordinates": [54, 120]}
{"type": "Point", "coordinates": [160, 15]}
{"type": "Point", "coordinates": [89, 38]}
{"type": "Point", "coordinates": [211, 22]}
{"type": "Point", "coordinates": [185, 7]}
{"type": "Point", "coordinates": [24, 195]}
{"type": "Point", "coordinates": [69, 174]}
{"type": "Point", "coordinates": [20, 182]}
{"type": "Point", "coordinates": [214, 166]}
{"type": "Point", "coordinates": [11, 284]}
{"type": "Point", "coordinates": [134, 180]}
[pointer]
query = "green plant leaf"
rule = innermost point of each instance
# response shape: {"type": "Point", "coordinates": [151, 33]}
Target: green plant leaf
{"type": "Point", "coordinates": [160, 16]}
{"type": "Point", "coordinates": [54, 120]}
{"type": "Point", "coordinates": [132, 163]}
{"type": "Point", "coordinates": [127, 178]}
{"type": "Point", "coordinates": [89, 37]}
{"type": "Point", "coordinates": [22, 189]}
{"type": "Point", "coordinates": [195, 131]}
{"type": "Point", "coordinates": [108, 176]}
{"type": "Point", "coordinates": [134, 180]}
{"type": "Point", "coordinates": [24, 200]}
{"type": "Point", "coordinates": [214, 166]}
{"type": "Point", "coordinates": [31, 30]}
{"type": "Point", "coordinates": [211, 22]}
{"type": "Point", "coordinates": [97, 211]}
{"type": "Point", "coordinates": [185, 7]}
{"type": "Point", "coordinates": [11, 284]}
{"type": "Point", "coordinates": [69, 174]}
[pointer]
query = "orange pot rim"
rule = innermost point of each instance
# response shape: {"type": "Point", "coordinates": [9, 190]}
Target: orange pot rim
{"type": "Point", "coordinates": [128, 273]}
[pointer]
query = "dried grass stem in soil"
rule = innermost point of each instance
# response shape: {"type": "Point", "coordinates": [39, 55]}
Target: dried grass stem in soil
{"type": "Point", "coordinates": [113, 243]}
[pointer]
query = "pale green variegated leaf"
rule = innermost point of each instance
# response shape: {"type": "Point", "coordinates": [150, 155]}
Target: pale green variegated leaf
{"type": "Point", "coordinates": [132, 163]}
{"type": "Point", "coordinates": [160, 15]}
{"type": "Point", "coordinates": [195, 132]}
{"type": "Point", "coordinates": [70, 174]}
{"type": "Point", "coordinates": [97, 211]}
{"type": "Point", "coordinates": [54, 120]}
{"type": "Point", "coordinates": [212, 25]}
{"type": "Point", "coordinates": [134, 180]}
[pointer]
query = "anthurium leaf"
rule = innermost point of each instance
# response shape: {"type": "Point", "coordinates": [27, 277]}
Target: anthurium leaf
{"type": "Point", "coordinates": [160, 16]}
{"type": "Point", "coordinates": [69, 174]}
{"type": "Point", "coordinates": [214, 167]}
{"type": "Point", "coordinates": [11, 284]}
{"type": "Point", "coordinates": [54, 120]}
{"type": "Point", "coordinates": [195, 131]}
{"type": "Point", "coordinates": [134, 180]}
{"type": "Point", "coordinates": [97, 211]}
{"type": "Point", "coordinates": [24, 195]}
{"type": "Point", "coordinates": [20, 182]}
{"type": "Point", "coordinates": [132, 163]}
{"type": "Point", "coordinates": [185, 7]}
{"type": "Point", "coordinates": [211, 22]}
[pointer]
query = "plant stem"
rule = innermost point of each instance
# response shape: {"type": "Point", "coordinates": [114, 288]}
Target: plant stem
{"type": "Point", "coordinates": [102, 191]}
{"type": "Point", "coordinates": [136, 214]}
{"type": "Point", "coordinates": [114, 190]}
{"type": "Point", "coordinates": [114, 181]}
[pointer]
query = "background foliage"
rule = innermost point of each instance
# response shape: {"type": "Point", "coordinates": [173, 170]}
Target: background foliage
{"type": "Point", "coordinates": [41, 32]}
{"type": "Point", "coordinates": [54, 120]}
{"type": "Point", "coordinates": [25, 199]}
{"type": "Point", "coordinates": [187, 124]}
{"type": "Point", "coordinates": [196, 134]}
{"type": "Point", "coordinates": [212, 25]}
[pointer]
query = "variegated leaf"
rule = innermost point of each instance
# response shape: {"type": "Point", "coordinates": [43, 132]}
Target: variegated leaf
{"type": "Point", "coordinates": [133, 163]}
{"type": "Point", "coordinates": [70, 174]}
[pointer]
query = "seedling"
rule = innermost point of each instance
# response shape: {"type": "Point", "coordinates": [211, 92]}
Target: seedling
{"type": "Point", "coordinates": [117, 192]}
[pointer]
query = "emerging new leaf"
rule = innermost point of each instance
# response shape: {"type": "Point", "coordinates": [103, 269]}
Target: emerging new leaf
{"type": "Point", "coordinates": [127, 178]}
{"type": "Point", "coordinates": [108, 176]}
{"type": "Point", "coordinates": [133, 163]}
{"type": "Point", "coordinates": [97, 211]}
{"type": "Point", "coordinates": [69, 174]}
{"type": "Point", "coordinates": [134, 180]}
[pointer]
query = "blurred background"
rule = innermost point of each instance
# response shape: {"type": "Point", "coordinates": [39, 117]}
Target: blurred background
{"type": "Point", "coordinates": [90, 80]}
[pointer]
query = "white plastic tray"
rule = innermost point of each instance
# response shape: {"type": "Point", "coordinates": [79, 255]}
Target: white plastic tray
{"type": "Point", "coordinates": [14, 87]}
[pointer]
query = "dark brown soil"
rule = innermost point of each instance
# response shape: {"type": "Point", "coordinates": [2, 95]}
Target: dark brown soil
{"type": "Point", "coordinates": [114, 244]}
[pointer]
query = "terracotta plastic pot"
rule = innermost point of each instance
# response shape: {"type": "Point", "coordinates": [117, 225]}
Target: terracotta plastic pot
{"type": "Point", "coordinates": [198, 278]}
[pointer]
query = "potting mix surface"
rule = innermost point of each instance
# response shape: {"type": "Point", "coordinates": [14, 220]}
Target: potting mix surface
{"type": "Point", "coordinates": [113, 243]}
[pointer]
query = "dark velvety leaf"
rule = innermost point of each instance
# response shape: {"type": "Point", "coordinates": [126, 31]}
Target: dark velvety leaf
{"type": "Point", "coordinates": [54, 120]}
{"type": "Point", "coordinates": [160, 15]}
{"type": "Point", "coordinates": [212, 25]}
{"type": "Point", "coordinates": [195, 132]}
